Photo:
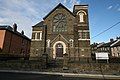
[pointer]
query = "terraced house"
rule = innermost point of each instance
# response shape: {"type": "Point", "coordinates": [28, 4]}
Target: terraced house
{"type": "Point", "coordinates": [13, 44]}
{"type": "Point", "coordinates": [62, 32]}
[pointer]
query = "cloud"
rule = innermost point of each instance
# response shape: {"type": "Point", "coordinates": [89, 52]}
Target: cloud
{"type": "Point", "coordinates": [65, 1]}
{"type": "Point", "coordinates": [114, 7]}
{"type": "Point", "coordinates": [74, 2]}
{"type": "Point", "coordinates": [110, 7]}
{"type": "Point", "coordinates": [27, 13]}
{"type": "Point", "coordinates": [23, 12]}
{"type": "Point", "coordinates": [118, 9]}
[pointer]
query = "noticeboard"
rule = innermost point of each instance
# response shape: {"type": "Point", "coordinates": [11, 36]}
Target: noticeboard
{"type": "Point", "coordinates": [102, 56]}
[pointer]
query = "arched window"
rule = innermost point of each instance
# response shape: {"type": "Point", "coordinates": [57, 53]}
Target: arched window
{"type": "Point", "coordinates": [59, 23]}
{"type": "Point", "coordinates": [81, 14]}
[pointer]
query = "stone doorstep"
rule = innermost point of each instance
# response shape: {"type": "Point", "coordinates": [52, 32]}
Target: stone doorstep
{"type": "Point", "coordinates": [66, 74]}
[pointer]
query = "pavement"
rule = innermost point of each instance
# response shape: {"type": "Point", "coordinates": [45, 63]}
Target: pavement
{"type": "Point", "coordinates": [97, 76]}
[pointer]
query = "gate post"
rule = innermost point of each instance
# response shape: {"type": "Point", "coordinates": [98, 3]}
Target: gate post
{"type": "Point", "coordinates": [65, 61]}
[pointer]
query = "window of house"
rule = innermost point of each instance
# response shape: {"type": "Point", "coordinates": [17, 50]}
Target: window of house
{"type": "Point", "coordinates": [113, 54]}
{"type": "Point", "coordinates": [83, 34]}
{"type": "Point", "coordinates": [81, 14]}
{"type": "Point", "coordinates": [105, 49]}
{"type": "Point", "coordinates": [117, 48]}
{"type": "Point", "coordinates": [80, 35]}
{"type": "Point", "coordinates": [59, 23]}
{"type": "Point", "coordinates": [118, 54]}
{"type": "Point", "coordinates": [33, 35]}
{"type": "Point", "coordinates": [37, 35]}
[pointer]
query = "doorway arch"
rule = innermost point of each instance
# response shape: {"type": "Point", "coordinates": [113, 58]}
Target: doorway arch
{"type": "Point", "coordinates": [59, 48]}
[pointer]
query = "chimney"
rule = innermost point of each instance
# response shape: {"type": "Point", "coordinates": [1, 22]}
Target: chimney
{"type": "Point", "coordinates": [22, 32]}
{"type": "Point", "coordinates": [117, 38]}
{"type": "Point", "coordinates": [111, 40]}
{"type": "Point", "coordinates": [14, 27]}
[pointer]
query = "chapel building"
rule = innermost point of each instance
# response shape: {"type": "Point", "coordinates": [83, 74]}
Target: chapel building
{"type": "Point", "coordinates": [62, 32]}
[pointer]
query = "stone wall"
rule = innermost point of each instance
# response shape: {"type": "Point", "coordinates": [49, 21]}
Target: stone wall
{"type": "Point", "coordinates": [106, 68]}
{"type": "Point", "coordinates": [57, 66]}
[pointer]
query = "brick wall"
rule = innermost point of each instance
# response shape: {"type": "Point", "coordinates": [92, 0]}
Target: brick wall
{"type": "Point", "coordinates": [2, 34]}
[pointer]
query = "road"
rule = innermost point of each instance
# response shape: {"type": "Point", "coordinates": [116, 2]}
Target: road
{"type": "Point", "coordinates": [29, 76]}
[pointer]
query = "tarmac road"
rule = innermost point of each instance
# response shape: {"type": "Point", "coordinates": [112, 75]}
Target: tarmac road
{"type": "Point", "coordinates": [30, 76]}
{"type": "Point", "coordinates": [36, 75]}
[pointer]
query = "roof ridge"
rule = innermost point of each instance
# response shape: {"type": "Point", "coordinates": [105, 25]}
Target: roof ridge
{"type": "Point", "coordinates": [115, 42]}
{"type": "Point", "coordinates": [60, 4]}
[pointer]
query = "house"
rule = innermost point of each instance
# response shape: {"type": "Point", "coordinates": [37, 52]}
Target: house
{"type": "Point", "coordinates": [93, 50]}
{"type": "Point", "coordinates": [105, 47]}
{"type": "Point", "coordinates": [13, 44]}
{"type": "Point", "coordinates": [115, 49]}
{"type": "Point", "coordinates": [112, 48]}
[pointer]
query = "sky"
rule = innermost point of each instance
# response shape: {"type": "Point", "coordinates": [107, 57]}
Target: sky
{"type": "Point", "coordinates": [102, 15]}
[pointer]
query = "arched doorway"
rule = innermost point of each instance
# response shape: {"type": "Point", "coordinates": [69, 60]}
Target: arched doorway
{"type": "Point", "coordinates": [59, 50]}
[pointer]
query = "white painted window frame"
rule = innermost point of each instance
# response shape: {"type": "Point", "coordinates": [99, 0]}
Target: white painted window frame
{"type": "Point", "coordinates": [81, 14]}
{"type": "Point", "coordinates": [86, 31]}
{"type": "Point", "coordinates": [36, 32]}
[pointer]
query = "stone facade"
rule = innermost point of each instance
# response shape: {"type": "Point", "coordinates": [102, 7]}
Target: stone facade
{"type": "Point", "coordinates": [61, 32]}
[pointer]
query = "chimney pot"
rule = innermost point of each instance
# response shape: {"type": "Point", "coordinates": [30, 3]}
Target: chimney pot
{"type": "Point", "coordinates": [111, 40]}
{"type": "Point", "coordinates": [14, 27]}
{"type": "Point", "coordinates": [22, 32]}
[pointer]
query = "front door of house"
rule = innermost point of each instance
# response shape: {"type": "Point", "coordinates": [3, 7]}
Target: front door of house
{"type": "Point", "coordinates": [59, 50]}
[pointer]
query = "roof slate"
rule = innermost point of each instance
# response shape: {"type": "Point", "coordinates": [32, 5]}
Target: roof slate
{"type": "Point", "coordinates": [40, 24]}
{"type": "Point", "coordinates": [117, 43]}
{"type": "Point", "coordinates": [9, 28]}
{"type": "Point", "coordinates": [59, 5]}
{"type": "Point", "coordinates": [106, 44]}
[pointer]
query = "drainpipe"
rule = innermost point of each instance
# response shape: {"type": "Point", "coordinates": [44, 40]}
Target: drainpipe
{"type": "Point", "coordinates": [45, 55]}
{"type": "Point", "coordinates": [45, 34]}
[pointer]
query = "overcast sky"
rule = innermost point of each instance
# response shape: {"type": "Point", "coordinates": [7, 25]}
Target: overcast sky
{"type": "Point", "coordinates": [26, 13]}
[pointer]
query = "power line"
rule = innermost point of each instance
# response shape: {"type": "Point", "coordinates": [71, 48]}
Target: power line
{"type": "Point", "coordinates": [106, 30]}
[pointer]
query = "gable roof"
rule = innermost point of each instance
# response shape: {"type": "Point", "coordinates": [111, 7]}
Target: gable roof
{"type": "Point", "coordinates": [9, 28]}
{"type": "Point", "coordinates": [59, 35]}
{"type": "Point", "coordinates": [40, 24]}
{"type": "Point", "coordinates": [115, 44]}
{"type": "Point", "coordinates": [59, 5]}
{"type": "Point", "coordinates": [107, 44]}
{"type": "Point", "coordinates": [6, 27]}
